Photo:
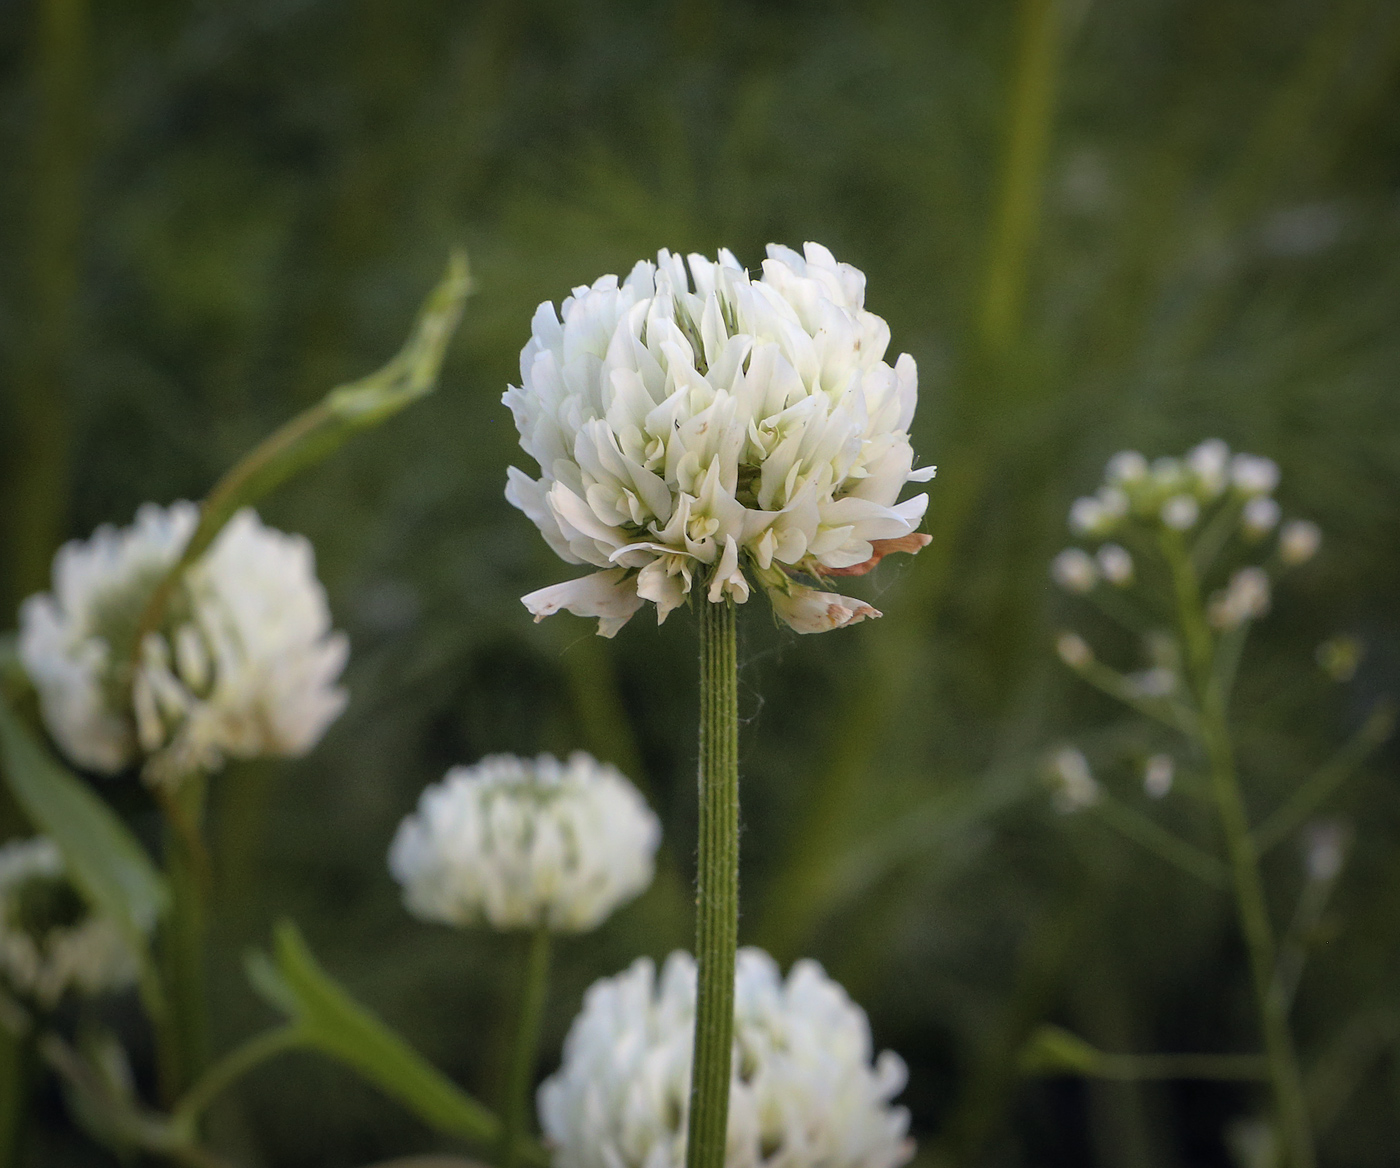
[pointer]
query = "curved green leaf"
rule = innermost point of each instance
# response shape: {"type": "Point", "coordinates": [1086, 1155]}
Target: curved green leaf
{"type": "Point", "coordinates": [334, 1023]}
{"type": "Point", "coordinates": [105, 861]}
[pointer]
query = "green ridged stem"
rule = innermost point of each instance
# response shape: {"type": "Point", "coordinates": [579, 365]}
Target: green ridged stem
{"type": "Point", "coordinates": [1284, 1076]}
{"type": "Point", "coordinates": [716, 886]}
{"type": "Point", "coordinates": [533, 990]}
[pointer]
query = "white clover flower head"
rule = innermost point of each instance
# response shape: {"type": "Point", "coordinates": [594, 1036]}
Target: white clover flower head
{"type": "Point", "coordinates": [1116, 564]}
{"type": "Point", "coordinates": [1074, 570]}
{"type": "Point", "coordinates": [1072, 782]}
{"type": "Point", "coordinates": [1245, 599]}
{"type": "Point", "coordinates": [1259, 517]}
{"type": "Point", "coordinates": [1209, 464]}
{"type": "Point", "coordinates": [519, 843]}
{"type": "Point", "coordinates": [1298, 541]}
{"type": "Point", "coordinates": [1127, 468]}
{"type": "Point", "coordinates": [696, 427]}
{"type": "Point", "coordinates": [1180, 512]}
{"type": "Point", "coordinates": [244, 665]}
{"type": "Point", "coordinates": [804, 1090]}
{"type": "Point", "coordinates": [50, 941]}
{"type": "Point", "coordinates": [1074, 650]}
{"type": "Point", "coordinates": [1157, 776]}
{"type": "Point", "coordinates": [1253, 474]}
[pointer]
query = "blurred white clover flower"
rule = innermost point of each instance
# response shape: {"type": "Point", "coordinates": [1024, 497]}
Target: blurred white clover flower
{"type": "Point", "coordinates": [1157, 775]}
{"type": "Point", "coordinates": [1298, 541]}
{"type": "Point", "coordinates": [1072, 782]}
{"type": "Point", "coordinates": [1074, 570]}
{"type": "Point", "coordinates": [1116, 564]}
{"type": "Point", "coordinates": [1246, 598]}
{"type": "Point", "coordinates": [50, 942]}
{"type": "Point", "coordinates": [804, 1091]}
{"type": "Point", "coordinates": [244, 665]}
{"type": "Point", "coordinates": [520, 843]}
{"type": "Point", "coordinates": [702, 429]}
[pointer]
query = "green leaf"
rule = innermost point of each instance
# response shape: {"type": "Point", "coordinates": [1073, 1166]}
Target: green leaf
{"type": "Point", "coordinates": [105, 861]}
{"type": "Point", "coordinates": [337, 1025]}
{"type": "Point", "coordinates": [320, 431]}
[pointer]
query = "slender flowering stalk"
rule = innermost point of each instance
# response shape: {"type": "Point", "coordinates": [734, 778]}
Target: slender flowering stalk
{"type": "Point", "coordinates": [700, 433]}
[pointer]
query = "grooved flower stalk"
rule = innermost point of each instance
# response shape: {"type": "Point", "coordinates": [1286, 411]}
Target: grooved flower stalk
{"type": "Point", "coordinates": [717, 886]}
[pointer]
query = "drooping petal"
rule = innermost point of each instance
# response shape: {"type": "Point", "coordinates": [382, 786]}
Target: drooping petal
{"type": "Point", "coordinates": [611, 596]}
{"type": "Point", "coordinates": [809, 611]}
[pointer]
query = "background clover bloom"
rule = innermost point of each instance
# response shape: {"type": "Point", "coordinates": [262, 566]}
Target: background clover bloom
{"type": "Point", "coordinates": [696, 428]}
{"type": "Point", "coordinates": [50, 942]}
{"type": "Point", "coordinates": [803, 1092]}
{"type": "Point", "coordinates": [521, 843]}
{"type": "Point", "coordinates": [244, 664]}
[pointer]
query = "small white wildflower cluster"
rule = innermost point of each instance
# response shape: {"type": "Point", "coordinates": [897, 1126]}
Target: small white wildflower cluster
{"type": "Point", "coordinates": [695, 427]}
{"type": "Point", "coordinates": [50, 942]}
{"type": "Point", "coordinates": [521, 843]}
{"type": "Point", "coordinates": [804, 1091]}
{"type": "Point", "coordinates": [1181, 494]}
{"type": "Point", "coordinates": [245, 662]}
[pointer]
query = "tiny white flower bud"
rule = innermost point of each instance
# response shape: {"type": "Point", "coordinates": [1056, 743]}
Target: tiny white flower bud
{"type": "Point", "coordinates": [1260, 516]}
{"type": "Point", "coordinates": [1209, 463]}
{"type": "Point", "coordinates": [1180, 512]}
{"type": "Point", "coordinates": [1072, 780]}
{"type": "Point", "coordinates": [1158, 775]}
{"type": "Point", "coordinates": [1126, 468]}
{"type": "Point", "coordinates": [1157, 682]}
{"type": "Point", "coordinates": [1245, 599]}
{"type": "Point", "coordinates": [1168, 474]}
{"type": "Point", "coordinates": [1116, 564]}
{"type": "Point", "coordinates": [1074, 650]}
{"type": "Point", "coordinates": [1253, 475]}
{"type": "Point", "coordinates": [1074, 570]}
{"type": "Point", "coordinates": [1086, 516]}
{"type": "Point", "coordinates": [1324, 849]}
{"type": "Point", "coordinates": [1298, 541]}
{"type": "Point", "coordinates": [1113, 502]}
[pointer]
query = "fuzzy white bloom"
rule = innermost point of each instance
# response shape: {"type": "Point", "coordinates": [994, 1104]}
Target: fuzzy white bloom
{"type": "Point", "coordinates": [1298, 541]}
{"type": "Point", "coordinates": [1324, 849]}
{"type": "Point", "coordinates": [1254, 475]}
{"type": "Point", "coordinates": [1127, 468]}
{"type": "Point", "coordinates": [804, 1091]}
{"type": "Point", "coordinates": [520, 843]}
{"type": "Point", "coordinates": [1157, 682]}
{"type": "Point", "coordinates": [244, 665]}
{"type": "Point", "coordinates": [696, 428]}
{"type": "Point", "coordinates": [1260, 516]}
{"type": "Point", "coordinates": [50, 942]}
{"type": "Point", "coordinates": [1245, 599]}
{"type": "Point", "coordinates": [1209, 463]}
{"type": "Point", "coordinates": [1116, 564]}
{"type": "Point", "coordinates": [1157, 775]}
{"type": "Point", "coordinates": [1074, 650]}
{"type": "Point", "coordinates": [1074, 570]}
{"type": "Point", "coordinates": [1073, 783]}
{"type": "Point", "coordinates": [1180, 512]}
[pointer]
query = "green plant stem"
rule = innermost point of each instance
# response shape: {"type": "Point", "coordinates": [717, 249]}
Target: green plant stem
{"type": "Point", "coordinates": [1161, 842]}
{"type": "Point", "coordinates": [237, 1063]}
{"type": "Point", "coordinates": [717, 886]}
{"type": "Point", "coordinates": [1253, 910]}
{"type": "Point", "coordinates": [533, 989]}
{"type": "Point", "coordinates": [182, 1045]}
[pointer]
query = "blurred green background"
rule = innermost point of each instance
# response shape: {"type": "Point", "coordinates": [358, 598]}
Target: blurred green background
{"type": "Point", "coordinates": [1138, 223]}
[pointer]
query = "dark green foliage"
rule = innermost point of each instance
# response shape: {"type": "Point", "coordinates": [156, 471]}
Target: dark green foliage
{"type": "Point", "coordinates": [212, 214]}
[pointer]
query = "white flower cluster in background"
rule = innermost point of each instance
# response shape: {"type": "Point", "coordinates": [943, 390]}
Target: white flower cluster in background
{"type": "Point", "coordinates": [49, 940]}
{"type": "Point", "coordinates": [520, 843]}
{"type": "Point", "coordinates": [244, 664]}
{"type": "Point", "coordinates": [804, 1089]}
{"type": "Point", "coordinates": [699, 429]}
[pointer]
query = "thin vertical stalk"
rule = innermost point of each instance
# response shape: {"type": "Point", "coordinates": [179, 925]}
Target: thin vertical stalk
{"type": "Point", "coordinates": [717, 886]}
{"type": "Point", "coordinates": [183, 1045]}
{"type": "Point", "coordinates": [1284, 1075]}
{"type": "Point", "coordinates": [533, 989]}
